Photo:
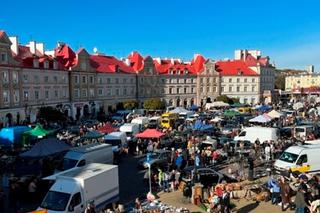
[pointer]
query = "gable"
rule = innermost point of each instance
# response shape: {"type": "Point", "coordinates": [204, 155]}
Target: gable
{"type": "Point", "coordinates": [4, 39]}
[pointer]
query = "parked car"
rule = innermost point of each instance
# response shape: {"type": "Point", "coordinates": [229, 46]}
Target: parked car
{"type": "Point", "coordinates": [207, 176]}
{"type": "Point", "coordinates": [157, 158]}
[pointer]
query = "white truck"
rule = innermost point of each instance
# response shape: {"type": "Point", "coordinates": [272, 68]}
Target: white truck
{"type": "Point", "coordinates": [141, 121]}
{"type": "Point", "coordinates": [118, 140]}
{"type": "Point", "coordinates": [131, 129]}
{"type": "Point", "coordinates": [262, 133]}
{"type": "Point", "coordinates": [74, 189]}
{"type": "Point", "coordinates": [83, 155]}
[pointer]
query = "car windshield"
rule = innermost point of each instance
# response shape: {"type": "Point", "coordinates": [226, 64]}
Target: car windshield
{"type": "Point", "coordinates": [165, 121]}
{"type": "Point", "coordinates": [300, 130]}
{"type": "Point", "coordinates": [113, 142]}
{"type": "Point", "coordinates": [129, 134]}
{"type": "Point", "coordinates": [55, 201]}
{"type": "Point", "coordinates": [68, 163]}
{"type": "Point", "coordinates": [288, 157]}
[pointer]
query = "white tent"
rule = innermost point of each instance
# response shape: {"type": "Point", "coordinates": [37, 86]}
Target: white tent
{"type": "Point", "coordinates": [216, 104]}
{"type": "Point", "coordinates": [261, 119]}
{"type": "Point", "coordinates": [179, 110]}
{"type": "Point", "coordinates": [216, 119]}
{"type": "Point", "coordinates": [298, 105]}
{"type": "Point", "coordinates": [274, 114]}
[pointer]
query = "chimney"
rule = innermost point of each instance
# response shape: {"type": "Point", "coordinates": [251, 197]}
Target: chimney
{"type": "Point", "coordinates": [237, 54]}
{"type": "Point", "coordinates": [172, 61]}
{"type": "Point", "coordinates": [32, 46]}
{"type": "Point", "coordinates": [40, 48]}
{"type": "Point", "coordinates": [127, 62]}
{"type": "Point", "coordinates": [244, 55]}
{"type": "Point", "coordinates": [15, 44]}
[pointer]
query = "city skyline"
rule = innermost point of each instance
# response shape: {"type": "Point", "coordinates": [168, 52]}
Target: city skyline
{"type": "Point", "coordinates": [173, 29]}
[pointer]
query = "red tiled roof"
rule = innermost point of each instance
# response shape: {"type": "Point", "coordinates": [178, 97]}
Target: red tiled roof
{"type": "Point", "coordinates": [252, 61]}
{"type": "Point", "coordinates": [65, 55]}
{"type": "Point", "coordinates": [109, 64]}
{"type": "Point", "coordinates": [167, 65]}
{"type": "Point", "coordinates": [1, 33]}
{"type": "Point", "coordinates": [136, 61]}
{"type": "Point", "coordinates": [198, 63]}
{"type": "Point", "coordinates": [235, 67]}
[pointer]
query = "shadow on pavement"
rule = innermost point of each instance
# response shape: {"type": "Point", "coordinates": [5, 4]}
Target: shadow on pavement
{"type": "Point", "coordinates": [248, 208]}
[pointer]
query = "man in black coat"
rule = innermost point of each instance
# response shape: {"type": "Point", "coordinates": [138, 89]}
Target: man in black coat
{"type": "Point", "coordinates": [225, 202]}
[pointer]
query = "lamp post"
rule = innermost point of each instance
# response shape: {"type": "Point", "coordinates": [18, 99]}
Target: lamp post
{"type": "Point", "coordinates": [149, 172]}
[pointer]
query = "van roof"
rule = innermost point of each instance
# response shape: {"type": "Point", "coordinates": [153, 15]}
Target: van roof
{"type": "Point", "coordinates": [88, 171]}
{"type": "Point", "coordinates": [303, 126]}
{"type": "Point", "coordinates": [114, 134]}
{"type": "Point", "coordinates": [129, 124]}
{"type": "Point", "coordinates": [298, 149]}
{"type": "Point", "coordinates": [90, 147]}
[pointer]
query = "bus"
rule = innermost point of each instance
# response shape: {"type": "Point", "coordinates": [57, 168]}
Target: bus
{"type": "Point", "coordinates": [168, 119]}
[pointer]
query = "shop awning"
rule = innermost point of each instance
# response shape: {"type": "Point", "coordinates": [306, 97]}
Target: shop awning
{"type": "Point", "coordinates": [150, 133]}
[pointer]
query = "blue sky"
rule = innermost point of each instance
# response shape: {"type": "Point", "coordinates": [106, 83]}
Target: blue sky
{"type": "Point", "coordinates": [287, 31]}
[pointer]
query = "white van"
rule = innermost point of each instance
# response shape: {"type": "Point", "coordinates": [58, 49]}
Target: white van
{"type": "Point", "coordinates": [303, 159]}
{"type": "Point", "coordinates": [154, 122]}
{"type": "Point", "coordinates": [142, 121]}
{"type": "Point", "coordinates": [118, 140]}
{"type": "Point", "coordinates": [262, 133]}
{"type": "Point", "coordinates": [131, 129]}
{"type": "Point", "coordinates": [303, 131]}
{"type": "Point", "coordinates": [92, 153]}
{"type": "Point", "coordinates": [74, 189]}
{"type": "Point", "coordinates": [185, 115]}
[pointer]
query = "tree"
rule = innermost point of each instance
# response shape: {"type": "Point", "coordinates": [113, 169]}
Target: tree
{"type": "Point", "coordinates": [51, 114]}
{"type": "Point", "coordinates": [280, 82]}
{"type": "Point", "coordinates": [227, 100]}
{"type": "Point", "coordinates": [130, 105]}
{"type": "Point", "coordinates": [154, 104]}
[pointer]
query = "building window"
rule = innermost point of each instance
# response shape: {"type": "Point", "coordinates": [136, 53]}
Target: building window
{"type": "Point", "coordinates": [76, 93]}
{"type": "Point", "coordinates": [221, 80]}
{"type": "Point", "coordinates": [170, 90]}
{"type": "Point", "coordinates": [238, 80]}
{"type": "Point", "coordinates": [84, 79]}
{"type": "Point", "coordinates": [124, 91]}
{"type": "Point", "coordinates": [55, 79]}
{"type": "Point", "coordinates": [201, 89]}
{"type": "Point", "coordinates": [253, 88]}
{"type": "Point", "coordinates": [117, 92]}
{"type": "Point", "coordinates": [208, 89]}
{"type": "Point", "coordinates": [46, 79]}
{"type": "Point", "coordinates": [15, 78]}
{"type": "Point", "coordinates": [245, 100]}
{"type": "Point", "coordinates": [208, 80]}
{"type": "Point", "coordinates": [100, 92]}
{"type": "Point", "coordinates": [56, 94]}
{"type": "Point", "coordinates": [117, 81]}
{"type": "Point", "coordinates": [36, 95]}
{"type": "Point", "coordinates": [222, 89]}
{"type": "Point", "coordinates": [100, 80]}
{"type": "Point", "coordinates": [253, 100]}
{"type": "Point", "coordinates": [124, 80]}
{"type": "Point", "coordinates": [4, 57]}
{"type": "Point", "coordinates": [46, 94]}
{"type": "Point", "coordinates": [201, 80]}
{"type": "Point", "coordinates": [64, 92]}
{"type": "Point", "coordinates": [25, 78]}
{"type": "Point", "coordinates": [230, 89]}
{"type": "Point", "coordinates": [5, 97]}
{"type": "Point", "coordinates": [76, 79]}
{"type": "Point", "coordinates": [185, 90]}
{"type": "Point", "coordinates": [214, 89]}
{"type": "Point", "coordinates": [91, 79]}
{"type": "Point", "coordinates": [131, 81]}
{"type": "Point", "coordinates": [25, 95]}
{"type": "Point", "coordinates": [108, 80]}
{"type": "Point", "coordinates": [16, 96]}
{"type": "Point", "coordinates": [5, 77]}
{"type": "Point", "coordinates": [91, 93]}
{"type": "Point", "coordinates": [238, 89]}
{"type": "Point", "coordinates": [245, 88]}
{"type": "Point", "coordinates": [84, 93]}
{"type": "Point", "coordinates": [230, 80]}
{"type": "Point", "coordinates": [253, 80]}
{"type": "Point", "coordinates": [245, 80]}
{"type": "Point", "coordinates": [192, 90]}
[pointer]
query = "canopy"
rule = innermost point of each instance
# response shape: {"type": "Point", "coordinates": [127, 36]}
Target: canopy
{"type": "Point", "coordinates": [274, 114]}
{"type": "Point", "coordinates": [236, 105]}
{"type": "Point", "coordinates": [12, 135]}
{"type": "Point", "coordinates": [264, 108]}
{"type": "Point", "coordinates": [200, 126]}
{"type": "Point", "coordinates": [46, 147]}
{"type": "Point", "coordinates": [298, 105]}
{"type": "Point", "coordinates": [261, 119]}
{"type": "Point", "coordinates": [193, 108]}
{"type": "Point", "coordinates": [92, 135]}
{"type": "Point", "coordinates": [150, 133]}
{"type": "Point", "coordinates": [230, 113]}
{"type": "Point", "coordinates": [106, 129]}
{"type": "Point", "coordinates": [216, 104]}
{"type": "Point", "coordinates": [38, 132]}
{"type": "Point", "coordinates": [216, 119]}
{"type": "Point", "coordinates": [179, 110]}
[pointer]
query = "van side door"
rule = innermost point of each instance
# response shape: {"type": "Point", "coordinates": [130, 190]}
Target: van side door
{"type": "Point", "coordinates": [302, 164]}
{"type": "Point", "coordinates": [76, 204]}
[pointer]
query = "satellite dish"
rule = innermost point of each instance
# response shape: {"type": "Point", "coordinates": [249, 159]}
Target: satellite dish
{"type": "Point", "coordinates": [95, 50]}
